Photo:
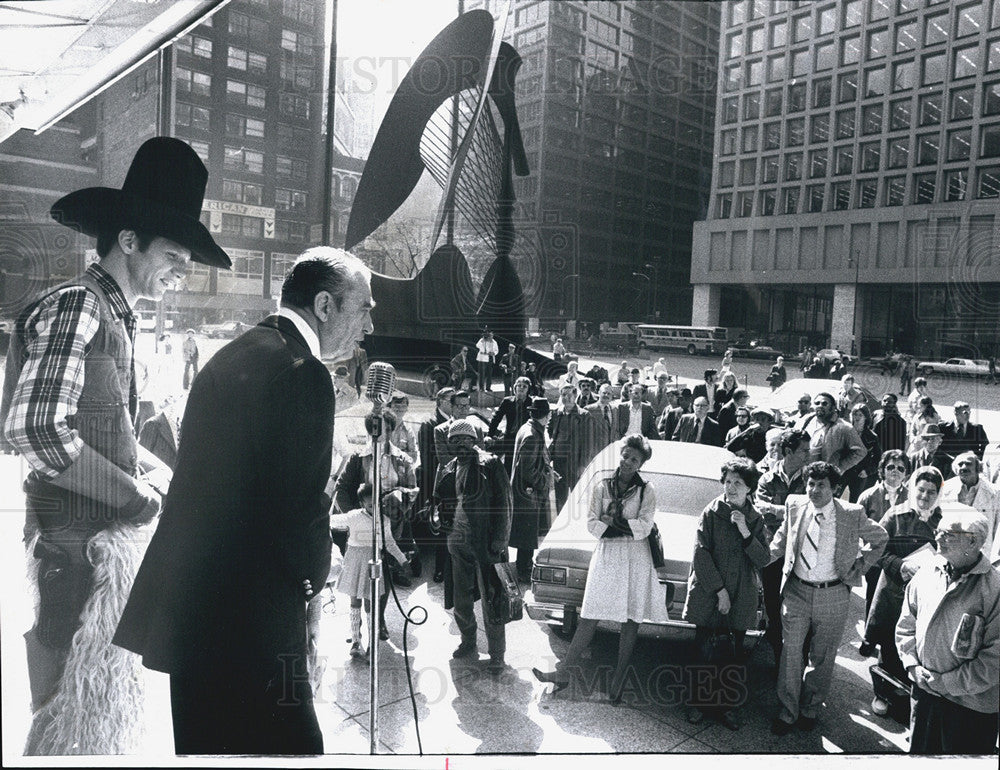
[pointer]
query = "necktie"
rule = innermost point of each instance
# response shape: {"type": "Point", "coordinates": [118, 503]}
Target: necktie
{"type": "Point", "coordinates": [697, 434]}
{"type": "Point", "coordinates": [607, 415]}
{"type": "Point", "coordinates": [810, 545]}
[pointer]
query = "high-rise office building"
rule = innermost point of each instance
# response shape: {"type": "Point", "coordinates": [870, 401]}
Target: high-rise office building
{"type": "Point", "coordinates": [616, 102]}
{"type": "Point", "coordinates": [247, 93]}
{"type": "Point", "coordinates": [856, 177]}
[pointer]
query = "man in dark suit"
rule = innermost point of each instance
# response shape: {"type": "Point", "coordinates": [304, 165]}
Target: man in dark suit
{"type": "Point", "coordinates": [927, 451]}
{"type": "Point", "coordinates": [219, 602]}
{"type": "Point", "coordinates": [530, 482]}
{"type": "Point", "coordinates": [960, 435]}
{"type": "Point", "coordinates": [513, 413]}
{"type": "Point", "coordinates": [670, 416]}
{"type": "Point", "coordinates": [727, 413]}
{"type": "Point", "coordinates": [819, 541]}
{"type": "Point", "coordinates": [636, 416]}
{"type": "Point", "coordinates": [423, 533]}
{"type": "Point", "coordinates": [889, 425]}
{"type": "Point", "coordinates": [707, 389]}
{"type": "Point", "coordinates": [698, 428]}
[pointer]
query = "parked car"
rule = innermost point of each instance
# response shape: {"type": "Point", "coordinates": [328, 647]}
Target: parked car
{"type": "Point", "coordinates": [756, 349]}
{"type": "Point", "coordinates": [829, 354]}
{"type": "Point", "coordinates": [886, 364]}
{"type": "Point", "coordinates": [227, 330]}
{"type": "Point", "coordinates": [961, 366]}
{"type": "Point", "coordinates": [686, 479]}
{"type": "Point", "coordinates": [783, 402]}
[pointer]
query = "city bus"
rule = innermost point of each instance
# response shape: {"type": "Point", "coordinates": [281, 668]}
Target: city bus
{"type": "Point", "coordinates": [693, 339]}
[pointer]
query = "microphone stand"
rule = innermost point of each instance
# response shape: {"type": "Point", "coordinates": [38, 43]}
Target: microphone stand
{"type": "Point", "coordinates": [374, 424]}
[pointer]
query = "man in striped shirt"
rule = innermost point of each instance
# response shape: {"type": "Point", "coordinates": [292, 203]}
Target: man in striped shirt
{"type": "Point", "coordinates": [69, 402]}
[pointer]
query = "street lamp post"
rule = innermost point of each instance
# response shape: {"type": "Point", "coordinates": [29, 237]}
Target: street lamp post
{"type": "Point", "coordinates": [856, 262]}
{"type": "Point", "coordinates": [656, 284]}
{"type": "Point", "coordinates": [642, 275]}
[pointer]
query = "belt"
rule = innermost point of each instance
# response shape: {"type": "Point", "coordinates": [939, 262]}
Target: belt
{"type": "Point", "coordinates": [824, 584]}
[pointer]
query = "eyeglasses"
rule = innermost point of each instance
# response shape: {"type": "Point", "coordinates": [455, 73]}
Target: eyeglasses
{"type": "Point", "coordinates": [948, 534]}
{"type": "Point", "coordinates": [900, 468]}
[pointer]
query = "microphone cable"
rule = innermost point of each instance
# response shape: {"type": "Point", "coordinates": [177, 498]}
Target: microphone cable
{"type": "Point", "coordinates": [408, 618]}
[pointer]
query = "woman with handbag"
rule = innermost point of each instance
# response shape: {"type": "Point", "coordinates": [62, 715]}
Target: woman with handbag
{"type": "Point", "coordinates": [621, 582]}
{"type": "Point", "coordinates": [731, 548]}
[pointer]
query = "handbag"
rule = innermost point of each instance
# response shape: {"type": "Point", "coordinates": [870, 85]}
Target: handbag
{"type": "Point", "coordinates": [655, 547]}
{"type": "Point", "coordinates": [503, 600]}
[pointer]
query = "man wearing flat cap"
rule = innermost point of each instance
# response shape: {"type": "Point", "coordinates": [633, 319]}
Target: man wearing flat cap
{"type": "Point", "coordinates": [69, 405]}
{"type": "Point", "coordinates": [929, 452]}
{"type": "Point", "coordinates": [473, 490]}
{"type": "Point", "coordinates": [530, 482]}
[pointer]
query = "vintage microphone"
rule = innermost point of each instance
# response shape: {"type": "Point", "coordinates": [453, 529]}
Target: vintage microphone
{"type": "Point", "coordinates": [378, 390]}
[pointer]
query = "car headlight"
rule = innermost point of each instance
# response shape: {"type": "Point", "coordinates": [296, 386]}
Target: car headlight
{"type": "Point", "coordinates": [555, 575]}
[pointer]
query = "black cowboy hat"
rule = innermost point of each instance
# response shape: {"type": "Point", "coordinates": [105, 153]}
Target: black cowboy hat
{"type": "Point", "coordinates": [539, 407]}
{"type": "Point", "coordinates": [162, 195]}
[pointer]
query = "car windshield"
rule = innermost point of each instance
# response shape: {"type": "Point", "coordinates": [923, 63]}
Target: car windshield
{"type": "Point", "coordinates": [682, 494]}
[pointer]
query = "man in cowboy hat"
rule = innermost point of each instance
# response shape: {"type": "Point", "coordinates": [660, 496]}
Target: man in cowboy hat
{"type": "Point", "coordinates": [244, 539]}
{"type": "Point", "coordinates": [529, 481]}
{"type": "Point", "coordinates": [69, 405]}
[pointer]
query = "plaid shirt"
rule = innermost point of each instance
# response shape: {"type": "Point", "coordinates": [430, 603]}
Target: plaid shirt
{"type": "Point", "coordinates": [56, 336]}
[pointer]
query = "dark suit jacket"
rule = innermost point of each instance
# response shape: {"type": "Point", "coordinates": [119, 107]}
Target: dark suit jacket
{"type": "Point", "coordinates": [667, 423]}
{"type": "Point", "coordinates": [158, 438]}
{"type": "Point", "coordinates": [246, 519]}
{"type": "Point", "coordinates": [975, 439]}
{"type": "Point", "coordinates": [428, 455]}
{"type": "Point", "coordinates": [648, 428]}
{"type": "Point", "coordinates": [687, 427]}
{"type": "Point", "coordinates": [702, 390]}
{"type": "Point", "coordinates": [727, 417]}
{"type": "Point", "coordinates": [513, 414]}
{"type": "Point", "coordinates": [941, 460]}
{"type": "Point", "coordinates": [852, 525]}
{"type": "Point", "coordinates": [599, 432]}
{"type": "Point", "coordinates": [486, 502]}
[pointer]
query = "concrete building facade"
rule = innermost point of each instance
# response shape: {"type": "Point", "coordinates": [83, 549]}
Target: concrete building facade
{"type": "Point", "coordinates": [856, 177]}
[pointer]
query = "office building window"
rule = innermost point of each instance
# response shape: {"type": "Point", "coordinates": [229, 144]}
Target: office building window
{"type": "Point", "coordinates": [744, 204]}
{"type": "Point", "coordinates": [767, 201]}
{"type": "Point", "coordinates": [769, 169]}
{"type": "Point", "coordinates": [988, 184]}
{"type": "Point", "coordinates": [850, 50]}
{"type": "Point", "coordinates": [934, 69]}
{"type": "Point", "coordinates": [776, 68]}
{"type": "Point", "coordinates": [795, 132]}
{"type": "Point", "coordinates": [845, 124]}
{"type": "Point", "coordinates": [796, 97]}
{"type": "Point", "coordinates": [294, 168]}
{"type": "Point", "coordinates": [751, 106]}
{"type": "Point", "coordinates": [790, 200]}
{"type": "Point", "coordinates": [296, 42]}
{"type": "Point", "coordinates": [293, 105]}
{"type": "Point", "coordinates": [793, 166]}
{"type": "Point", "coordinates": [190, 116]}
{"type": "Point", "coordinates": [735, 45]}
{"type": "Point", "coordinates": [826, 56]}
{"type": "Point", "coordinates": [779, 34]}
{"type": "Point", "coordinates": [964, 62]}
{"type": "Point", "coordinates": [871, 119]}
{"type": "Point", "coordinates": [880, 9]}
{"type": "Point", "coordinates": [899, 114]}
{"type": "Point", "coordinates": [905, 6]}
{"type": "Point", "coordinates": [955, 185]}
{"type": "Point", "coordinates": [249, 94]}
{"type": "Point", "coordinates": [724, 205]}
{"type": "Point", "coordinates": [800, 63]}
{"type": "Point", "coordinates": [241, 192]}
{"type": "Point", "coordinates": [928, 147]}
{"type": "Point", "coordinates": [959, 144]}
{"type": "Point", "coordinates": [755, 40]}
{"type": "Point", "coordinates": [727, 141]}
{"type": "Point", "coordinates": [239, 24]}
{"type": "Point", "coordinates": [895, 190]}
{"type": "Point", "coordinates": [730, 109]}
{"type": "Point", "coordinates": [772, 102]}
{"type": "Point", "coordinates": [991, 99]}
{"type": "Point", "coordinates": [936, 29]}
{"type": "Point", "coordinates": [817, 163]}
{"type": "Point", "coordinates": [827, 19]}
{"type": "Point", "coordinates": [847, 87]}
{"type": "Point", "coordinates": [843, 156]}
{"type": "Point", "coordinates": [733, 77]}
{"type": "Point", "coordinates": [196, 83]}
{"type": "Point", "coordinates": [903, 75]}
{"type": "Point", "coordinates": [871, 155]}
{"type": "Point", "coordinates": [961, 103]}
{"type": "Point", "coordinates": [289, 200]}
{"type": "Point", "coordinates": [867, 193]}
{"type": "Point", "coordinates": [993, 57]}
{"type": "Point", "coordinates": [875, 82]}
{"type": "Point", "coordinates": [899, 153]}
{"type": "Point", "coordinates": [242, 159]}
{"type": "Point", "coordinates": [237, 58]}
{"type": "Point", "coordinates": [878, 42]}
{"type": "Point", "coordinates": [841, 193]}
{"type": "Point", "coordinates": [201, 150]}
{"type": "Point", "coordinates": [989, 144]}
{"type": "Point", "coordinates": [853, 13]}
{"type": "Point", "coordinates": [822, 92]}
{"type": "Point", "coordinates": [748, 171]}
{"type": "Point", "coordinates": [923, 188]}
{"type": "Point", "coordinates": [906, 37]}
{"type": "Point", "coordinates": [819, 128]}
{"type": "Point", "coordinates": [814, 196]}
{"type": "Point", "coordinates": [749, 143]}
{"type": "Point", "coordinates": [969, 19]}
{"type": "Point", "coordinates": [930, 109]}
{"type": "Point", "coordinates": [802, 28]}
{"type": "Point", "coordinates": [772, 136]}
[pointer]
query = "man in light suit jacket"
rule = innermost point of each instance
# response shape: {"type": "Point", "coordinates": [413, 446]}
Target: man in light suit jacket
{"type": "Point", "coordinates": [819, 540]}
{"type": "Point", "coordinates": [243, 543]}
{"type": "Point", "coordinates": [690, 425]}
{"type": "Point", "coordinates": [602, 422]}
{"type": "Point", "coordinates": [636, 416]}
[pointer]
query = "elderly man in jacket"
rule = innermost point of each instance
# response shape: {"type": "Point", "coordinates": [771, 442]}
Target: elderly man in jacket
{"type": "Point", "coordinates": [970, 487]}
{"type": "Point", "coordinates": [819, 540]}
{"type": "Point", "coordinates": [474, 490]}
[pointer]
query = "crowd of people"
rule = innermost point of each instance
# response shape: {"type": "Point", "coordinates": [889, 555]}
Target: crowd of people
{"type": "Point", "coordinates": [201, 548]}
